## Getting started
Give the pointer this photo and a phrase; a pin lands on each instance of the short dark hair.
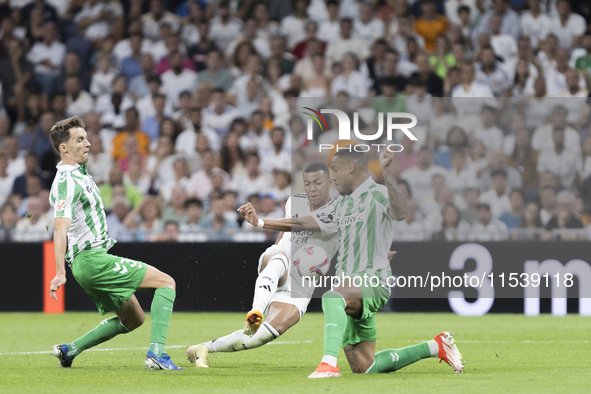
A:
(316, 166)
(193, 201)
(518, 191)
(359, 158)
(483, 205)
(60, 132)
(498, 171)
(463, 8)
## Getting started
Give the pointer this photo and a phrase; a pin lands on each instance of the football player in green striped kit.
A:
(81, 239)
(364, 217)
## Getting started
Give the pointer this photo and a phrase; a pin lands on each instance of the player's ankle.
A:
(330, 360)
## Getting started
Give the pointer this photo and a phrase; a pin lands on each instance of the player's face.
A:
(78, 146)
(342, 175)
(317, 186)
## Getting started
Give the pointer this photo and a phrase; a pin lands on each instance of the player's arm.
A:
(397, 207)
(60, 244)
(292, 224)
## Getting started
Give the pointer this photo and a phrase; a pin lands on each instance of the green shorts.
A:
(363, 328)
(109, 280)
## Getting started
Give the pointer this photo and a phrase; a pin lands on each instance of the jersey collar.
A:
(362, 188)
(65, 167)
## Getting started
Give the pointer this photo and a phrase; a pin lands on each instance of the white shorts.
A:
(283, 293)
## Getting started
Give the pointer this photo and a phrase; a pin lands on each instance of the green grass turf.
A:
(504, 353)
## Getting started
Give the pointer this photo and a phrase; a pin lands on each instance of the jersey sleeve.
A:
(382, 201)
(67, 196)
(326, 221)
(288, 208)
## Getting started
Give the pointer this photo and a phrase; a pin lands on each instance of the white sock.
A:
(433, 347)
(332, 360)
(237, 341)
(266, 284)
(265, 334)
(229, 343)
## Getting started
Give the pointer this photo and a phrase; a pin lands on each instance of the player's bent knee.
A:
(168, 281)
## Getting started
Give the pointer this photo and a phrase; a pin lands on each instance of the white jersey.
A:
(299, 206)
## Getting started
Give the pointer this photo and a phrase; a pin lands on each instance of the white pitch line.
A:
(143, 348)
(527, 342)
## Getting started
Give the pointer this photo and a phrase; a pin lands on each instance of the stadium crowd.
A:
(189, 109)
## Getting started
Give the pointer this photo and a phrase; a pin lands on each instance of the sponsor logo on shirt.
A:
(60, 205)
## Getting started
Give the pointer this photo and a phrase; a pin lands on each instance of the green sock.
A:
(335, 322)
(161, 313)
(390, 360)
(108, 329)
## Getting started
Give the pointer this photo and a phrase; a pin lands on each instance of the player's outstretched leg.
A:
(280, 317)
(265, 287)
(335, 324)
(107, 329)
(161, 312)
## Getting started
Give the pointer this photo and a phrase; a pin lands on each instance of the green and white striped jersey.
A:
(366, 232)
(74, 195)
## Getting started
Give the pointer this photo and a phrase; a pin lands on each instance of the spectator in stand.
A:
(461, 175)
(453, 228)
(194, 210)
(530, 221)
(132, 127)
(456, 141)
(548, 204)
(498, 161)
(78, 101)
(171, 232)
(99, 161)
(535, 23)
(102, 79)
(514, 217)
(565, 219)
(47, 56)
(200, 184)
(224, 27)
(510, 20)
(32, 170)
(177, 79)
(542, 138)
(524, 159)
(218, 228)
(430, 24)
(115, 219)
(35, 226)
(419, 177)
(6, 180)
(471, 197)
(145, 219)
(158, 16)
(131, 66)
(277, 158)
(16, 158)
(253, 182)
(569, 27)
(173, 44)
(107, 189)
(492, 72)
(8, 220)
(301, 49)
(198, 53)
(138, 85)
(414, 227)
(504, 45)
(216, 73)
(488, 228)
(561, 161)
(175, 210)
(219, 115)
(336, 50)
(135, 173)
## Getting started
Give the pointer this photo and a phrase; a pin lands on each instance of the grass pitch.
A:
(504, 353)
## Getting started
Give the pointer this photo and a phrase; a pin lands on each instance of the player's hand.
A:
(391, 254)
(386, 158)
(249, 213)
(56, 283)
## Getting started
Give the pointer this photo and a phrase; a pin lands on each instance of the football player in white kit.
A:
(276, 297)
